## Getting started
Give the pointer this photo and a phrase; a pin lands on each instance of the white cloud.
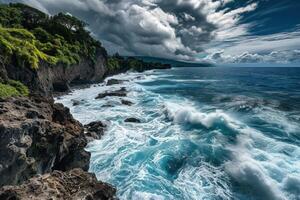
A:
(273, 48)
(287, 56)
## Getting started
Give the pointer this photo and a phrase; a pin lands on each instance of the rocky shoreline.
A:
(41, 137)
(42, 152)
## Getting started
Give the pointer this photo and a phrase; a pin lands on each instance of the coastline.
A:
(41, 144)
(42, 116)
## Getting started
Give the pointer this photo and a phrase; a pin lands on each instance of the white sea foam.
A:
(185, 113)
(249, 173)
(146, 196)
(267, 176)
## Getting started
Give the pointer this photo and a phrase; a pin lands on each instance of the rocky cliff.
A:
(50, 78)
(38, 137)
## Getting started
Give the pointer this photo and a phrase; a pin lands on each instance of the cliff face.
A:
(48, 79)
(37, 136)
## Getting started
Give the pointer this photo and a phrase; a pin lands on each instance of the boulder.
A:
(94, 130)
(71, 185)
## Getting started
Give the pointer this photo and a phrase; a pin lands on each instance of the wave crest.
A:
(184, 114)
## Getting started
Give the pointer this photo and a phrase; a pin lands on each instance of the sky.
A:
(217, 31)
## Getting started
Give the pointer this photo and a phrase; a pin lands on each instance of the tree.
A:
(70, 22)
(31, 17)
(10, 17)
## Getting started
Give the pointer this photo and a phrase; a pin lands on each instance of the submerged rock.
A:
(127, 103)
(132, 120)
(77, 102)
(117, 93)
(72, 185)
(107, 106)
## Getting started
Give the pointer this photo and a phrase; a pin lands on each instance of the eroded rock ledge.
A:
(74, 184)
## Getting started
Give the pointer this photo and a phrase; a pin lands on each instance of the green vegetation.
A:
(22, 44)
(116, 62)
(13, 88)
(113, 64)
(29, 36)
(20, 87)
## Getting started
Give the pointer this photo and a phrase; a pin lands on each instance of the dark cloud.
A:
(163, 28)
(194, 29)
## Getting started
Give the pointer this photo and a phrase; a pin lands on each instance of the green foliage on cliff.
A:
(10, 16)
(7, 91)
(113, 64)
(13, 88)
(20, 87)
(30, 36)
(22, 44)
(117, 62)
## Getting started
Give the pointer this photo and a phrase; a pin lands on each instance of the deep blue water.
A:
(206, 133)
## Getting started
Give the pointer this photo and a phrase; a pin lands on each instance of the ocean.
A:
(205, 133)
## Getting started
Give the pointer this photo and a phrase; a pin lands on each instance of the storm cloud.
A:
(164, 28)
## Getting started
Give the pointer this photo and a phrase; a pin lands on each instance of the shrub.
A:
(20, 87)
(42, 35)
(22, 43)
(10, 17)
(113, 64)
(7, 91)
(13, 88)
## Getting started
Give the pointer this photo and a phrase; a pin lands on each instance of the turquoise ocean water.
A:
(206, 133)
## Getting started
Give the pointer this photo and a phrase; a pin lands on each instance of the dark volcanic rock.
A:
(118, 93)
(114, 82)
(61, 86)
(132, 120)
(94, 130)
(37, 136)
(127, 103)
(76, 102)
(72, 185)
